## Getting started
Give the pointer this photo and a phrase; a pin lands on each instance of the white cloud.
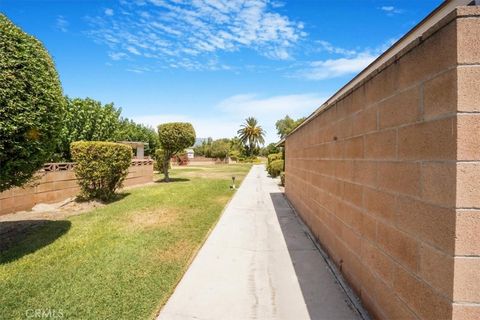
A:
(232, 111)
(138, 70)
(61, 23)
(391, 10)
(117, 55)
(245, 105)
(133, 50)
(347, 61)
(328, 47)
(333, 68)
(175, 30)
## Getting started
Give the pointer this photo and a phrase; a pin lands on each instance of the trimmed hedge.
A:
(273, 157)
(275, 168)
(270, 159)
(100, 167)
(31, 105)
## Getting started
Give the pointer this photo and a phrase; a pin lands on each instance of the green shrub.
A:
(31, 105)
(275, 167)
(274, 156)
(100, 167)
(282, 178)
(235, 155)
(220, 148)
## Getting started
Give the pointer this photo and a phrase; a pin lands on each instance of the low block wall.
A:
(57, 181)
(388, 177)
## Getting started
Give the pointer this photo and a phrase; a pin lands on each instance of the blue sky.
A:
(213, 62)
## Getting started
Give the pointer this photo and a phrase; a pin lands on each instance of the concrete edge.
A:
(352, 297)
(200, 246)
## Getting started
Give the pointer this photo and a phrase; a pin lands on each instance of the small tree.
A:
(174, 138)
(88, 120)
(205, 148)
(31, 105)
(220, 148)
(100, 167)
(287, 125)
(269, 149)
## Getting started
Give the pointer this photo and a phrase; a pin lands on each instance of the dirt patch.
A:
(150, 219)
(222, 199)
(54, 211)
(208, 175)
(180, 250)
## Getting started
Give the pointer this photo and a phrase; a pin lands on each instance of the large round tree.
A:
(31, 103)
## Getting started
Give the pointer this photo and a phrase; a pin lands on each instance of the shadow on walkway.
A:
(320, 290)
(19, 238)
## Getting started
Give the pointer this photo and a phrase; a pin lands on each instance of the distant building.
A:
(190, 153)
(138, 148)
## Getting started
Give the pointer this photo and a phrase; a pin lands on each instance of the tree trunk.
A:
(166, 162)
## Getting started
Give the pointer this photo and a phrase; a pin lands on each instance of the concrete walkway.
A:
(258, 263)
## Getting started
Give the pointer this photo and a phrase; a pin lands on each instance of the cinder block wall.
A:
(388, 178)
(55, 186)
(139, 174)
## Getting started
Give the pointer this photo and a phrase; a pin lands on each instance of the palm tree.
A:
(251, 135)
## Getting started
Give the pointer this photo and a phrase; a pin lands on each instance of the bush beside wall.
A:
(100, 167)
(273, 157)
(275, 168)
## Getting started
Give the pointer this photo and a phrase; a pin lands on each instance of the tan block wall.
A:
(139, 175)
(55, 186)
(388, 178)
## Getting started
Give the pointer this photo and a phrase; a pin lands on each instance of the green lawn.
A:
(121, 261)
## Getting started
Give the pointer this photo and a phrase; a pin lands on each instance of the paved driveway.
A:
(258, 263)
